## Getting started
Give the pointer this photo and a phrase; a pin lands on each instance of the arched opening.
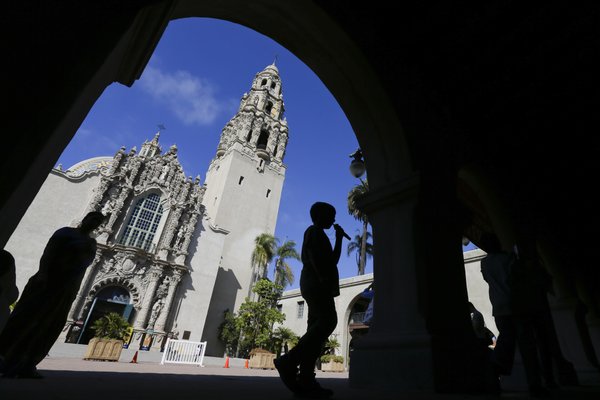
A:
(375, 123)
(263, 139)
(108, 300)
(132, 235)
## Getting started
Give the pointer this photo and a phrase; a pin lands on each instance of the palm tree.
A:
(283, 338)
(263, 253)
(110, 326)
(356, 246)
(353, 195)
(283, 272)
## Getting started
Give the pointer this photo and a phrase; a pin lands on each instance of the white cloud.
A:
(190, 98)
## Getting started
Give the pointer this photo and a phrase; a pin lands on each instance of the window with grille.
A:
(300, 313)
(143, 222)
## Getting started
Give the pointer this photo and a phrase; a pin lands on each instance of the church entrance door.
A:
(110, 299)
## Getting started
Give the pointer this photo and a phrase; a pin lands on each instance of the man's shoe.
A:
(310, 389)
(539, 392)
(288, 374)
(29, 374)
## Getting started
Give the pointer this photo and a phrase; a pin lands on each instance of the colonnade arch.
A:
(402, 201)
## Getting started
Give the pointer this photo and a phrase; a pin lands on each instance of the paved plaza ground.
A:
(71, 378)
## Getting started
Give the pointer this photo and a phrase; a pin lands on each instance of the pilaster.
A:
(159, 325)
(154, 275)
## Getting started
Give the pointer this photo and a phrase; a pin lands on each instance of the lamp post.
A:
(357, 165)
(357, 169)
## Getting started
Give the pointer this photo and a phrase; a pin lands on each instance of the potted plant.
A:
(332, 363)
(107, 343)
(329, 361)
(261, 359)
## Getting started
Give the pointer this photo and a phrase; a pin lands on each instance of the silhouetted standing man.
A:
(319, 284)
(41, 312)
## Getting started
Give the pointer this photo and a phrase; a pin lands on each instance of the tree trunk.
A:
(363, 249)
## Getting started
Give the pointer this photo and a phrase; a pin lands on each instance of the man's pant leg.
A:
(322, 320)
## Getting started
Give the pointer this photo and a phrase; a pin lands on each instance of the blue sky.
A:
(193, 84)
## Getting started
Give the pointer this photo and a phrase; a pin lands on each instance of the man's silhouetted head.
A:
(322, 214)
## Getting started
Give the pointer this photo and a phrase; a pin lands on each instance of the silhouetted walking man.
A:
(319, 284)
(512, 311)
(41, 311)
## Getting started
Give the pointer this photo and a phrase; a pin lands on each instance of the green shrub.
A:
(110, 326)
(331, 357)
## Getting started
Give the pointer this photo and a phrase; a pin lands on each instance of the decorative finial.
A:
(275, 60)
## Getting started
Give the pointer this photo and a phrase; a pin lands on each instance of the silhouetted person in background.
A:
(319, 284)
(512, 314)
(369, 294)
(495, 269)
(8, 287)
(41, 312)
(482, 332)
(531, 285)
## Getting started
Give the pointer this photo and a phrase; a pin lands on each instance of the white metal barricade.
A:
(183, 352)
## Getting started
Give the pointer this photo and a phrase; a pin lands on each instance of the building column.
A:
(570, 314)
(140, 321)
(170, 230)
(162, 318)
(397, 350)
(182, 252)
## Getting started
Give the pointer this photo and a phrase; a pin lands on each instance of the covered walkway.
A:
(75, 379)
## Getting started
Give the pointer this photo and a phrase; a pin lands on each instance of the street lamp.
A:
(357, 165)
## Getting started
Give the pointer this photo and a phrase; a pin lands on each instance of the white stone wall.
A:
(196, 289)
(350, 290)
(245, 211)
(60, 202)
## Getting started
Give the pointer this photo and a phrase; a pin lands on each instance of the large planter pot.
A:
(332, 366)
(104, 349)
(261, 360)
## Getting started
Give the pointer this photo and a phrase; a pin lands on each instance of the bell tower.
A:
(243, 186)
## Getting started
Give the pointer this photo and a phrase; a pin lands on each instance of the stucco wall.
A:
(350, 290)
(244, 220)
(60, 202)
(195, 291)
(477, 287)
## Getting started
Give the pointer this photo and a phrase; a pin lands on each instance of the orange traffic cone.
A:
(246, 364)
(134, 359)
(226, 363)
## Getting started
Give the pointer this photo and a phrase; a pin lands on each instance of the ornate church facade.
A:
(173, 254)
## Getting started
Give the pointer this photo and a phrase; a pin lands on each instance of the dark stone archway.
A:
(429, 89)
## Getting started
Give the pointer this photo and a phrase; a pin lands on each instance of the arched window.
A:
(263, 83)
(272, 85)
(263, 139)
(269, 107)
(143, 222)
